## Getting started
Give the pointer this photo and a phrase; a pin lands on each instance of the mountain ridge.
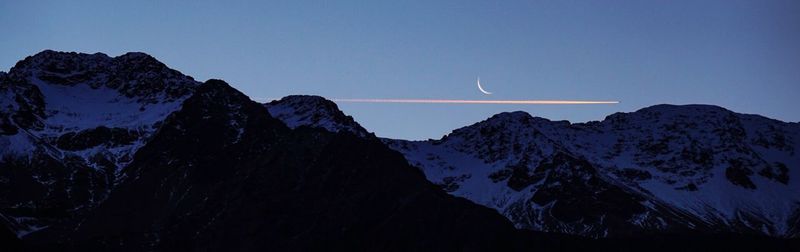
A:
(507, 151)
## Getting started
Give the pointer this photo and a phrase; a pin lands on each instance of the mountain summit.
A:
(313, 111)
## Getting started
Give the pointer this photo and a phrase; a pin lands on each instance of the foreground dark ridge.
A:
(218, 172)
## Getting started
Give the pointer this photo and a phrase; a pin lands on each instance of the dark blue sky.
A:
(742, 55)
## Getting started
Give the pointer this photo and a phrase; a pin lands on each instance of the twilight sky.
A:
(742, 55)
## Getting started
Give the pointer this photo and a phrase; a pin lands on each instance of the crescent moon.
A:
(481, 88)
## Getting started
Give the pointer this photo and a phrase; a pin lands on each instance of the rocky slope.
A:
(663, 169)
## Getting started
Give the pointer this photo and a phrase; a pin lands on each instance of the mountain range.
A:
(124, 153)
(665, 168)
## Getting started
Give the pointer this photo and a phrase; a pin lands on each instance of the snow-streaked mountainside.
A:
(70, 122)
(662, 169)
(696, 167)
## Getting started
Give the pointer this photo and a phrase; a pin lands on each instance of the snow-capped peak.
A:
(84, 115)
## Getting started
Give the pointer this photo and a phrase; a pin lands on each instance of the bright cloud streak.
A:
(530, 102)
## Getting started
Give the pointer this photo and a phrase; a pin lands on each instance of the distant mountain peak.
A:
(53, 57)
(313, 111)
(135, 75)
(60, 62)
(137, 55)
(512, 115)
(671, 111)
